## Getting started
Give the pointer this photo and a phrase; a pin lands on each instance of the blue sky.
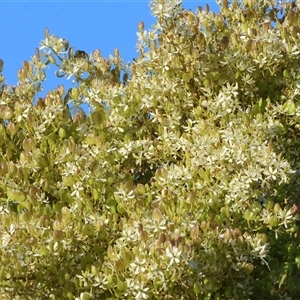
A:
(87, 25)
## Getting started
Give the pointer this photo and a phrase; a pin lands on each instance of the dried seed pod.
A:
(26, 66)
(161, 239)
(96, 54)
(224, 10)
(225, 42)
(28, 144)
(267, 26)
(40, 103)
(79, 117)
(203, 225)
(284, 32)
(70, 52)
(291, 17)
(253, 31)
(58, 235)
(219, 22)
(116, 56)
(234, 4)
(164, 192)
(31, 241)
(66, 44)
(141, 227)
(37, 53)
(11, 128)
(81, 54)
(60, 89)
(125, 78)
(46, 32)
(186, 248)
(144, 235)
(33, 192)
(248, 268)
(157, 215)
(141, 26)
(248, 45)
(237, 232)
(1, 65)
(228, 234)
(6, 112)
(295, 31)
(294, 209)
(195, 232)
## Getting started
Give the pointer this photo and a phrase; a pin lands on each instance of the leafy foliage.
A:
(182, 181)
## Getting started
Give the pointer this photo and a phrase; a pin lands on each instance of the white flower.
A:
(174, 255)
(142, 294)
(138, 266)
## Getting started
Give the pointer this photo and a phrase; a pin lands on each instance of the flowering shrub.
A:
(181, 182)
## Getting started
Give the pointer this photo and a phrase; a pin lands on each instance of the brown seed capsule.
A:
(294, 209)
(253, 31)
(125, 78)
(116, 52)
(267, 26)
(228, 234)
(66, 44)
(141, 227)
(225, 42)
(144, 235)
(141, 26)
(219, 22)
(248, 45)
(6, 112)
(203, 225)
(164, 192)
(26, 66)
(31, 241)
(1, 65)
(33, 192)
(291, 17)
(195, 232)
(57, 225)
(11, 128)
(79, 117)
(236, 233)
(46, 32)
(225, 3)
(161, 239)
(234, 4)
(157, 215)
(60, 89)
(28, 144)
(295, 31)
(48, 100)
(186, 248)
(40, 103)
(81, 54)
(96, 54)
(58, 235)
(37, 53)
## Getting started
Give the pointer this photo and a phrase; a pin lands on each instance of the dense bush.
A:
(182, 180)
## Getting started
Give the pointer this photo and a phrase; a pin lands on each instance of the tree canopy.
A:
(181, 181)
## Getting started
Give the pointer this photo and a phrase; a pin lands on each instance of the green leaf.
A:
(282, 279)
(289, 107)
(15, 195)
